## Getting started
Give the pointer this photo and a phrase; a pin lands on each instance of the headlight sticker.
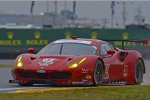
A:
(77, 63)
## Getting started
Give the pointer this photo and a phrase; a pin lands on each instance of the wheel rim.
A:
(139, 73)
(98, 74)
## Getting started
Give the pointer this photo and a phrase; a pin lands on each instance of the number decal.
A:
(106, 73)
(46, 61)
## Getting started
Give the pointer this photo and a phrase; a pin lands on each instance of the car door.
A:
(113, 66)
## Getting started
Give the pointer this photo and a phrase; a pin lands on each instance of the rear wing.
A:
(145, 41)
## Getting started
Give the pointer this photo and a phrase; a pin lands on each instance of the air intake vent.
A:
(60, 75)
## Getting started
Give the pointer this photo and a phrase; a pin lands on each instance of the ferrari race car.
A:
(78, 61)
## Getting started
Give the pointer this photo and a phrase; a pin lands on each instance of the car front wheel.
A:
(98, 73)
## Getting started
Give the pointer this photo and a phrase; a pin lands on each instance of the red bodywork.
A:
(118, 65)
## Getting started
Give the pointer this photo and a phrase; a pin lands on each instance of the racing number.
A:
(106, 73)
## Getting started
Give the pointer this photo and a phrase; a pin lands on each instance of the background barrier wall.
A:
(16, 41)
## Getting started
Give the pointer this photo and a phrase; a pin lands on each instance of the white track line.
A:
(23, 88)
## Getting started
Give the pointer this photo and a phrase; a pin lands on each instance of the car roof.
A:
(80, 40)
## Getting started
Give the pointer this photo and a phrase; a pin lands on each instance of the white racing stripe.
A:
(73, 41)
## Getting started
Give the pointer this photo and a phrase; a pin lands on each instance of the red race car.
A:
(79, 61)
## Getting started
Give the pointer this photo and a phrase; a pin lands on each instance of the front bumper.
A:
(57, 77)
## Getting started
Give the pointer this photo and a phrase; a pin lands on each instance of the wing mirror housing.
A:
(31, 50)
(145, 42)
(110, 52)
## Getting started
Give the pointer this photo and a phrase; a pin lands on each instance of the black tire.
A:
(138, 72)
(98, 73)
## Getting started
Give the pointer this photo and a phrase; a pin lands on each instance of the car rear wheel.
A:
(138, 72)
(98, 73)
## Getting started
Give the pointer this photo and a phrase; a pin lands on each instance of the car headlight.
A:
(19, 62)
(77, 63)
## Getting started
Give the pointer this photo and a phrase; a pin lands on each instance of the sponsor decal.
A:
(46, 61)
(88, 77)
(84, 80)
(85, 70)
(107, 65)
(37, 35)
(77, 83)
(67, 34)
(94, 35)
(125, 71)
(37, 40)
(106, 73)
(41, 71)
(125, 35)
(10, 35)
(11, 42)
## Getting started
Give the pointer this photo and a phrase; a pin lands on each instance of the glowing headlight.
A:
(19, 62)
(76, 64)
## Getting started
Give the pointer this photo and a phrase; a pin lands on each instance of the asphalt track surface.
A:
(5, 76)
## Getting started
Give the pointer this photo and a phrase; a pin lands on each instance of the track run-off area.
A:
(5, 76)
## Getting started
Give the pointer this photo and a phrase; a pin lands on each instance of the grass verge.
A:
(132, 92)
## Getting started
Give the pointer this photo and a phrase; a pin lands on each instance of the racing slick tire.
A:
(138, 72)
(98, 73)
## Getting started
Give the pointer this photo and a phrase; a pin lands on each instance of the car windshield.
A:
(68, 49)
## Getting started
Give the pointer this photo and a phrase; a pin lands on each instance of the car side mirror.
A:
(31, 50)
(110, 52)
(145, 42)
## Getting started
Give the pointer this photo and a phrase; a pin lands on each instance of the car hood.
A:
(49, 61)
